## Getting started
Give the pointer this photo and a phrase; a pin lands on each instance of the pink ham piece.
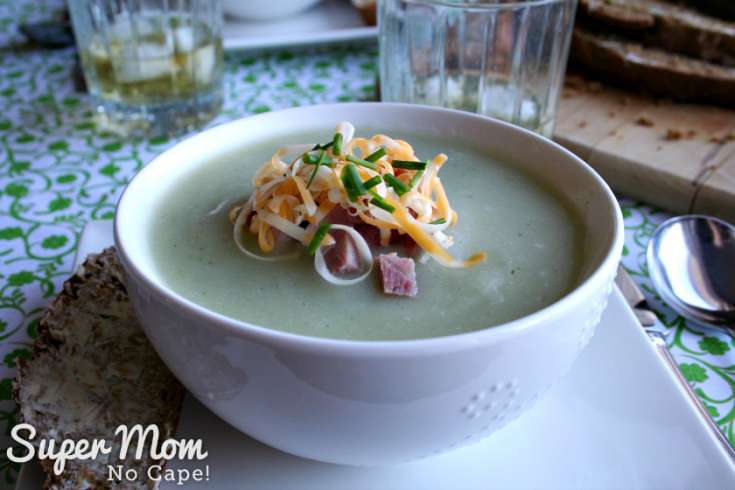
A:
(411, 248)
(398, 275)
(340, 216)
(370, 233)
(342, 258)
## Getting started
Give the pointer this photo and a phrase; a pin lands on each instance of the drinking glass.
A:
(504, 59)
(152, 67)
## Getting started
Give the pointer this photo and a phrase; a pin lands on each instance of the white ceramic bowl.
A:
(265, 9)
(371, 403)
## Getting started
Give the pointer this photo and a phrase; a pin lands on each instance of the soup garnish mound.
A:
(344, 200)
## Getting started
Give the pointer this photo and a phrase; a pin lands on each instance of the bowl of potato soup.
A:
(368, 283)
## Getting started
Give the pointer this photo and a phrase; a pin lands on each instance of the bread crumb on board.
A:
(721, 140)
(644, 121)
(673, 135)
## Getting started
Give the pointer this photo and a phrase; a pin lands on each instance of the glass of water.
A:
(500, 58)
(153, 67)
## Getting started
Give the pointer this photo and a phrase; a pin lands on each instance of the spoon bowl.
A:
(691, 261)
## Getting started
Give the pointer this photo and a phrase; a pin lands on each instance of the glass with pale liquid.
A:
(500, 58)
(153, 67)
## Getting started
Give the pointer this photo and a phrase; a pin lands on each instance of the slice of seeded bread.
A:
(679, 77)
(92, 370)
(723, 9)
(662, 25)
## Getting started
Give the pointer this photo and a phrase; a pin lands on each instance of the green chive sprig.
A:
(415, 179)
(354, 176)
(406, 165)
(396, 184)
(352, 182)
(337, 144)
(361, 162)
(376, 155)
(318, 237)
(380, 202)
(370, 183)
(320, 160)
(311, 159)
(439, 221)
(325, 146)
(347, 184)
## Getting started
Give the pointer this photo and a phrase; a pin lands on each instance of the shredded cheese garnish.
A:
(294, 197)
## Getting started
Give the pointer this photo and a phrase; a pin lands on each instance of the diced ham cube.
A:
(404, 240)
(398, 275)
(342, 258)
(411, 247)
(340, 216)
(370, 233)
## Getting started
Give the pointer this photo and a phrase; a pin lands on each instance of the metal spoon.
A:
(691, 261)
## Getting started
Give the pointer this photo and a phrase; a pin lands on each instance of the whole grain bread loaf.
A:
(653, 70)
(619, 14)
(93, 369)
(723, 9)
(663, 25)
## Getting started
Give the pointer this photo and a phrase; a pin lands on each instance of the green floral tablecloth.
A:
(57, 172)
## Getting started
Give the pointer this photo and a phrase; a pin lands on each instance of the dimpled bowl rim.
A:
(375, 348)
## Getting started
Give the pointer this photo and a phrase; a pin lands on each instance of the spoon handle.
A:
(637, 302)
(659, 343)
(635, 298)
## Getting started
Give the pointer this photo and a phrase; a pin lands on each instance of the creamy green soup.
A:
(532, 240)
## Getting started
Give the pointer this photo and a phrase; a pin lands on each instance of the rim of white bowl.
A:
(372, 348)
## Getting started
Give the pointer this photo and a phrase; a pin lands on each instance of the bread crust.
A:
(658, 24)
(653, 70)
(91, 370)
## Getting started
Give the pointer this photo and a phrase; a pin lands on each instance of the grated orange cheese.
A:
(281, 189)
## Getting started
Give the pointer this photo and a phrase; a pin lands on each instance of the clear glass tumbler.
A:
(152, 67)
(504, 59)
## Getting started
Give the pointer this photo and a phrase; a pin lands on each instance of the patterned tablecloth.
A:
(57, 172)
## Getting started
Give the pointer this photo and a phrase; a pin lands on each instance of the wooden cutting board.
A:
(680, 157)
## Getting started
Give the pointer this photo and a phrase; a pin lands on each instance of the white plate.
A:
(330, 21)
(618, 420)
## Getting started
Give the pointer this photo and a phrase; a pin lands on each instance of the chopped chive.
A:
(310, 159)
(396, 184)
(376, 155)
(352, 182)
(406, 165)
(439, 221)
(321, 232)
(337, 144)
(354, 176)
(318, 163)
(347, 183)
(360, 161)
(380, 202)
(370, 183)
(415, 179)
(325, 146)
